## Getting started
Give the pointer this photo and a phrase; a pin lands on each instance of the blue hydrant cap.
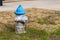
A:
(20, 11)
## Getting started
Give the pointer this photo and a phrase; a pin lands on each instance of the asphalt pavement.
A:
(52, 5)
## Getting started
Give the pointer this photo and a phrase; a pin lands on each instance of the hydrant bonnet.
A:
(20, 11)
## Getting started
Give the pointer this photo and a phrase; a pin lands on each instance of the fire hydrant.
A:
(20, 20)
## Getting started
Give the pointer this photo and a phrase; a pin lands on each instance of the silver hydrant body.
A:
(20, 23)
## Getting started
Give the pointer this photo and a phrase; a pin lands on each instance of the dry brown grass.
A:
(11, 0)
(51, 17)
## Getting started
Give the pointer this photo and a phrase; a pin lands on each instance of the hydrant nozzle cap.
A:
(20, 11)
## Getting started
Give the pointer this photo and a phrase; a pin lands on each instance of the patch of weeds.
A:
(6, 35)
(3, 36)
(26, 38)
(42, 21)
(34, 33)
(31, 34)
(43, 38)
(57, 31)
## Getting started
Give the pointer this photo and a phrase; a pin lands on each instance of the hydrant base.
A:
(20, 28)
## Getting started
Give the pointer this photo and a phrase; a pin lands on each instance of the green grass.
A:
(31, 34)
(57, 32)
(42, 21)
(43, 38)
